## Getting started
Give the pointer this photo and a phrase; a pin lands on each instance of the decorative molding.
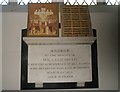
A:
(57, 40)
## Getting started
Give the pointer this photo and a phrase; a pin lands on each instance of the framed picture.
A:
(75, 21)
(43, 20)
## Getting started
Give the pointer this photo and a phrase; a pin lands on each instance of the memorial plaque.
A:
(49, 61)
(43, 19)
(75, 21)
(59, 64)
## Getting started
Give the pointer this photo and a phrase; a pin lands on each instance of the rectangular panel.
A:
(59, 63)
(43, 19)
(75, 18)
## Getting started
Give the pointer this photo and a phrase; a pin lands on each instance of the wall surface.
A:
(119, 48)
(106, 23)
(0, 47)
(104, 20)
(12, 25)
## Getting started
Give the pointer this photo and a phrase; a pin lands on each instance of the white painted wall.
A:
(12, 25)
(0, 47)
(106, 25)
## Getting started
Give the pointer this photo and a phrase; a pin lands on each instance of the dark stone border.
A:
(24, 62)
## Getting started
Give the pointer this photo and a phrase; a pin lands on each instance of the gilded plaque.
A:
(75, 21)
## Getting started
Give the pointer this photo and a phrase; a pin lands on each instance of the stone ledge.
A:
(58, 40)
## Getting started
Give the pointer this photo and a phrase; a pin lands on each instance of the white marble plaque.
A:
(59, 63)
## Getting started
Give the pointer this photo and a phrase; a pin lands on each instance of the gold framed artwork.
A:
(75, 21)
(43, 20)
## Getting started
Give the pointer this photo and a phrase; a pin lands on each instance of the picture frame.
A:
(43, 20)
(75, 21)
